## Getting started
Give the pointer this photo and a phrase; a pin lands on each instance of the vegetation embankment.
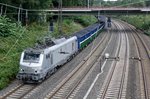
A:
(139, 21)
(14, 38)
(73, 24)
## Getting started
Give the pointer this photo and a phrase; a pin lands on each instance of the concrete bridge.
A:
(98, 10)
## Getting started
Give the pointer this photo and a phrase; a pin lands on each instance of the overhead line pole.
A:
(88, 4)
(1, 10)
(19, 11)
(60, 17)
(26, 17)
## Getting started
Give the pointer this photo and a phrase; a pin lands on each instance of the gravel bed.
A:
(41, 91)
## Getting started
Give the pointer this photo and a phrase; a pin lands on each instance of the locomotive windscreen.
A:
(31, 57)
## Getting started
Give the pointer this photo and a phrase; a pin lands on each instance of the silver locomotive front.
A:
(30, 66)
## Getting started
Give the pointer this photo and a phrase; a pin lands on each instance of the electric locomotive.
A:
(36, 64)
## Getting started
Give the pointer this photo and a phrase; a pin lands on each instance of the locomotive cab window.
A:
(31, 57)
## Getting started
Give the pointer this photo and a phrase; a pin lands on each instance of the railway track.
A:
(143, 56)
(143, 60)
(114, 85)
(73, 80)
(18, 92)
(116, 88)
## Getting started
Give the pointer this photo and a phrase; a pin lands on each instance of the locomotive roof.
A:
(47, 42)
(71, 39)
(47, 49)
(85, 30)
(32, 50)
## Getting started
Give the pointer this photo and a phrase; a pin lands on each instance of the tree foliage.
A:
(7, 27)
(29, 4)
(34, 4)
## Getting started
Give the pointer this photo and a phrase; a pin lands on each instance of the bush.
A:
(141, 22)
(7, 27)
(3, 82)
(147, 32)
(68, 28)
(85, 20)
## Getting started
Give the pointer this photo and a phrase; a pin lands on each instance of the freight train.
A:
(36, 64)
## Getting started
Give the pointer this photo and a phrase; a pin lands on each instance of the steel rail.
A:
(124, 68)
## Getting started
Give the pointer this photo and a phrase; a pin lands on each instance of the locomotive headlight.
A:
(21, 70)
